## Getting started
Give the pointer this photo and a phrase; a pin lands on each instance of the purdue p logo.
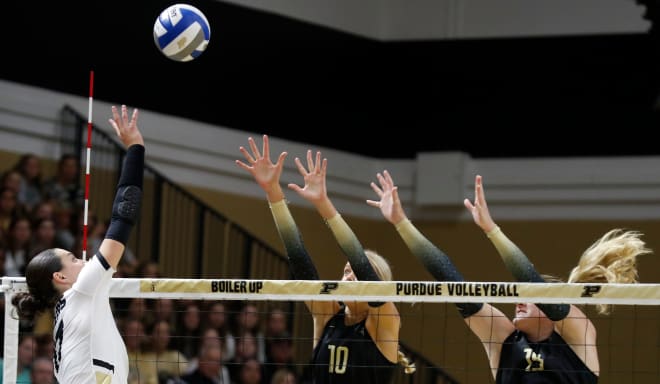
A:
(590, 290)
(329, 286)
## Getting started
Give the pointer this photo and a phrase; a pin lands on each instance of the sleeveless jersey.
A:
(88, 346)
(347, 354)
(549, 361)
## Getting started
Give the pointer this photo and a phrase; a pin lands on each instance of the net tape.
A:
(394, 291)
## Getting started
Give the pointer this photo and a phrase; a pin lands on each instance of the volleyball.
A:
(182, 32)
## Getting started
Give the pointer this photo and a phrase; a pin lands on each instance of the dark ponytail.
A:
(42, 294)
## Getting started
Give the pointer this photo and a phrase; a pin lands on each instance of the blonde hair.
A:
(611, 259)
(380, 265)
(382, 268)
(402, 359)
(282, 376)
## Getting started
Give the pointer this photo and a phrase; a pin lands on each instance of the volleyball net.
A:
(433, 335)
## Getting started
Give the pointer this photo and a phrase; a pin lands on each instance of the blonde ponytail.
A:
(611, 259)
(402, 359)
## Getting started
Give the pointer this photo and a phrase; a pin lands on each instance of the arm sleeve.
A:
(523, 270)
(300, 264)
(434, 260)
(132, 171)
(126, 207)
(350, 245)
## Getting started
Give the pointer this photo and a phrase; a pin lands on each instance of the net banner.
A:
(395, 291)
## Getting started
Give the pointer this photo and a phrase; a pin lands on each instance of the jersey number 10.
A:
(338, 359)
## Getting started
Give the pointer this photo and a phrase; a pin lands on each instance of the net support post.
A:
(10, 360)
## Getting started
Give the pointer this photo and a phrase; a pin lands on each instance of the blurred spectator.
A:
(210, 364)
(42, 371)
(165, 310)
(133, 308)
(43, 236)
(189, 329)
(30, 192)
(64, 222)
(279, 355)
(170, 363)
(148, 269)
(210, 338)
(27, 349)
(17, 253)
(216, 318)
(249, 320)
(276, 323)
(45, 345)
(95, 234)
(44, 209)
(132, 331)
(283, 376)
(64, 188)
(11, 179)
(9, 209)
(137, 309)
(246, 349)
(249, 373)
(127, 265)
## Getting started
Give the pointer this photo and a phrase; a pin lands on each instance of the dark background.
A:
(554, 96)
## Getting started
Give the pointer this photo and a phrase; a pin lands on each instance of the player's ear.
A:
(59, 278)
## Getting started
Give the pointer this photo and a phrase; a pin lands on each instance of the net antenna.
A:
(88, 151)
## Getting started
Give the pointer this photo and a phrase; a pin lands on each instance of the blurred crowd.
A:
(168, 341)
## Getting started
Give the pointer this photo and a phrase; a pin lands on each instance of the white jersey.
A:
(88, 346)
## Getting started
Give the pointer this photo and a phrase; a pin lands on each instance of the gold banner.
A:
(404, 291)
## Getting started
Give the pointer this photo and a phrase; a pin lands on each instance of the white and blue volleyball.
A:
(182, 32)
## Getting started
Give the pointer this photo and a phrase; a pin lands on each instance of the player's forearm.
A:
(325, 208)
(514, 259)
(127, 203)
(350, 245)
(274, 193)
(523, 270)
(435, 261)
(126, 206)
(300, 263)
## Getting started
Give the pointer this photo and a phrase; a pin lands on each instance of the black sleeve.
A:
(435, 261)
(523, 271)
(300, 263)
(352, 248)
(128, 198)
